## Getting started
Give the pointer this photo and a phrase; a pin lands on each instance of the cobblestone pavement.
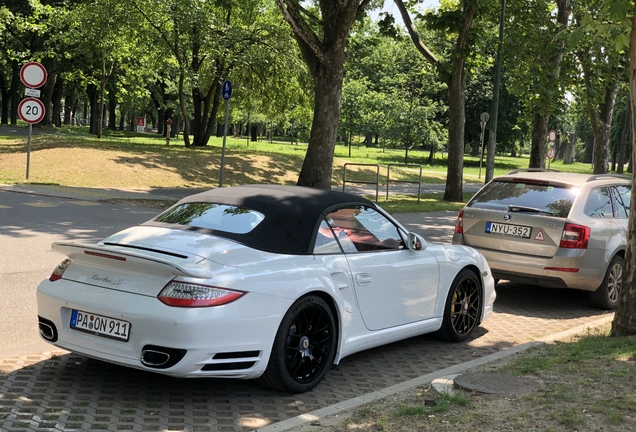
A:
(61, 391)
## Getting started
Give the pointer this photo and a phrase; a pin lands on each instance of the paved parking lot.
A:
(61, 391)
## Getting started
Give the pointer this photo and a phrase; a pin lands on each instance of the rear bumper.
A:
(590, 265)
(232, 341)
(542, 281)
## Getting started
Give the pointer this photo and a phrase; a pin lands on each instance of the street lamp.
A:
(492, 138)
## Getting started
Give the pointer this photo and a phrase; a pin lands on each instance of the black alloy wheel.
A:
(304, 347)
(462, 312)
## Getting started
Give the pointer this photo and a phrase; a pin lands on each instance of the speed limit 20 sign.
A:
(31, 110)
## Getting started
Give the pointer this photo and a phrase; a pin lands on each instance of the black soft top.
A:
(292, 214)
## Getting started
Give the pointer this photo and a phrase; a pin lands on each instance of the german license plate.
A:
(508, 230)
(100, 325)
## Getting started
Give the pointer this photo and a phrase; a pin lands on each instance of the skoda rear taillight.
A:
(575, 236)
(184, 294)
(59, 270)
(459, 224)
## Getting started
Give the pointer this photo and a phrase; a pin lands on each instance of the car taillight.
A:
(183, 294)
(575, 236)
(459, 224)
(59, 270)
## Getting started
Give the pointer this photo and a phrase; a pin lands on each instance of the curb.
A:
(338, 408)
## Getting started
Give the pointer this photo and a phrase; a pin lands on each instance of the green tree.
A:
(456, 19)
(208, 41)
(534, 60)
(603, 64)
(321, 30)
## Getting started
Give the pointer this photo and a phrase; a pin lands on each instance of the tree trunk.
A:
(569, 149)
(69, 102)
(112, 108)
(540, 121)
(4, 96)
(456, 122)
(475, 150)
(539, 134)
(559, 147)
(184, 111)
(627, 127)
(13, 91)
(589, 149)
(56, 102)
(102, 91)
(322, 45)
(601, 120)
(93, 96)
(47, 90)
(456, 112)
(317, 166)
(624, 323)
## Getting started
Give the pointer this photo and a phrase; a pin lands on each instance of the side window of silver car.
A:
(599, 203)
(622, 198)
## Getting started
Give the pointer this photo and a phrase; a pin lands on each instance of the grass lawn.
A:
(71, 157)
(586, 383)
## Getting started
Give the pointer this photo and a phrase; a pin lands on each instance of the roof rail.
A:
(600, 176)
(532, 170)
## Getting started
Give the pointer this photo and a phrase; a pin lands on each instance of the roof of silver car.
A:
(572, 179)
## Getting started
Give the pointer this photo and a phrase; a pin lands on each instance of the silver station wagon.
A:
(552, 229)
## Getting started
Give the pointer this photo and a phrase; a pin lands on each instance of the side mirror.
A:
(416, 242)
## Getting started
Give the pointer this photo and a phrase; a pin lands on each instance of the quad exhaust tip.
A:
(153, 358)
(47, 329)
(158, 357)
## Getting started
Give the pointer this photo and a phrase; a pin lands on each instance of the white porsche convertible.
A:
(276, 283)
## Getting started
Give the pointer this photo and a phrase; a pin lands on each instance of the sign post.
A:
(31, 110)
(141, 124)
(226, 91)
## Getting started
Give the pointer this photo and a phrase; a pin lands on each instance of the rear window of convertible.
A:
(526, 197)
(218, 217)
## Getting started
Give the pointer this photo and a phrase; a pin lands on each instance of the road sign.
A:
(141, 124)
(552, 136)
(31, 110)
(227, 90)
(551, 153)
(33, 75)
(31, 92)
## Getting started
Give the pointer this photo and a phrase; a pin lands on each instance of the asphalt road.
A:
(28, 226)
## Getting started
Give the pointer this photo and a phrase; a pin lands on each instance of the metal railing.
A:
(346, 180)
(376, 182)
(388, 179)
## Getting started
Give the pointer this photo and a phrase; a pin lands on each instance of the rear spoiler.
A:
(80, 251)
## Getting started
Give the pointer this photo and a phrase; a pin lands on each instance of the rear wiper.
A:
(516, 208)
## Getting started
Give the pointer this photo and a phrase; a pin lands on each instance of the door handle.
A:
(363, 279)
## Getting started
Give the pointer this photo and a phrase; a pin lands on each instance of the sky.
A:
(389, 6)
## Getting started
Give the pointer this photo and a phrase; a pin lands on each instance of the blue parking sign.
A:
(227, 90)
